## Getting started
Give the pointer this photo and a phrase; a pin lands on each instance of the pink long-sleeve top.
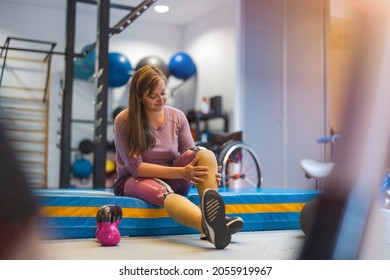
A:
(172, 138)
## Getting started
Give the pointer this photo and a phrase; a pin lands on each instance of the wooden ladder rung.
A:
(28, 152)
(24, 88)
(28, 141)
(24, 130)
(22, 99)
(25, 59)
(22, 119)
(35, 110)
(33, 173)
(22, 161)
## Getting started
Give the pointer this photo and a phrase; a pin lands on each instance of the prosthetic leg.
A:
(176, 204)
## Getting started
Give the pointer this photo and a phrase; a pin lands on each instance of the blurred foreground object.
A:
(346, 222)
(19, 210)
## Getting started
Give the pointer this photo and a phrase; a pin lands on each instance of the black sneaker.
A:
(214, 224)
(234, 224)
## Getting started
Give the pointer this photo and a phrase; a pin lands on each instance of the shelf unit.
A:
(197, 117)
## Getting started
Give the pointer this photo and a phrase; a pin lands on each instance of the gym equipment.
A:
(262, 208)
(119, 69)
(89, 59)
(216, 105)
(81, 167)
(315, 169)
(86, 146)
(85, 67)
(108, 219)
(306, 217)
(320, 170)
(110, 167)
(81, 71)
(182, 66)
(154, 61)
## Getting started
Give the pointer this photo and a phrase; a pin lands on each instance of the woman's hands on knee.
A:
(193, 173)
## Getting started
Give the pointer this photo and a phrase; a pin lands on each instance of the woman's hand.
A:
(193, 173)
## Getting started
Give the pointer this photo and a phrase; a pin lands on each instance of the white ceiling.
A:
(181, 12)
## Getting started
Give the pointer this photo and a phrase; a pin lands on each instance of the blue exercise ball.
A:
(81, 71)
(89, 59)
(119, 69)
(182, 66)
(154, 61)
(81, 168)
(84, 67)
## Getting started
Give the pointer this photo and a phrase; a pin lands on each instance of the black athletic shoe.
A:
(214, 224)
(234, 224)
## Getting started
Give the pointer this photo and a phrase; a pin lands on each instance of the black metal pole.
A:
(5, 59)
(100, 131)
(112, 5)
(66, 118)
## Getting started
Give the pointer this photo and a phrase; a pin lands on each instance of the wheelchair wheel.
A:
(240, 166)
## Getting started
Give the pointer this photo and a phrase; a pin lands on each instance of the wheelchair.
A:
(240, 164)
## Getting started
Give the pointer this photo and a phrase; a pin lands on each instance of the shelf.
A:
(197, 117)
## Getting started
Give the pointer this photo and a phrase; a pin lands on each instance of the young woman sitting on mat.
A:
(157, 160)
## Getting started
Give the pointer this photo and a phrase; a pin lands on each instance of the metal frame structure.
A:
(104, 32)
(49, 53)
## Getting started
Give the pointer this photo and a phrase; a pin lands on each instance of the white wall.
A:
(284, 86)
(212, 41)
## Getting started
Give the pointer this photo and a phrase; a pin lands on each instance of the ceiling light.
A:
(161, 9)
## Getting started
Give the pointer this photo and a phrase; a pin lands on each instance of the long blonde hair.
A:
(139, 134)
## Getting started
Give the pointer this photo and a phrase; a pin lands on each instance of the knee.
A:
(206, 156)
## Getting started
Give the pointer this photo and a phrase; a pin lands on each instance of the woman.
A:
(149, 137)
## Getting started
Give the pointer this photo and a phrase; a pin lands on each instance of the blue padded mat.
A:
(71, 213)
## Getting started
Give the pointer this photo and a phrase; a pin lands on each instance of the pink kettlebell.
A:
(107, 220)
(109, 234)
